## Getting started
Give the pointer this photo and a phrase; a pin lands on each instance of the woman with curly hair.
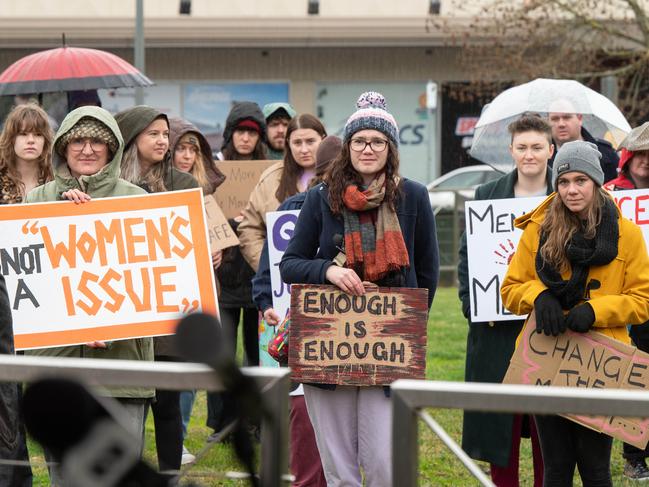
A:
(389, 238)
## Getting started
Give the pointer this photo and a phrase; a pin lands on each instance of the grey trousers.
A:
(353, 430)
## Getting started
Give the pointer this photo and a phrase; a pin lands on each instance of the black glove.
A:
(549, 314)
(581, 318)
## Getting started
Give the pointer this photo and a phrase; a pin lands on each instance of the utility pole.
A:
(138, 47)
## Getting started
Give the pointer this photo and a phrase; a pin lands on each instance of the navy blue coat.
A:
(311, 250)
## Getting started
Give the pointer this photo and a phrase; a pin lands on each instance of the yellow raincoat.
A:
(623, 297)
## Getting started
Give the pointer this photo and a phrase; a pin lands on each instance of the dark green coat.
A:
(488, 436)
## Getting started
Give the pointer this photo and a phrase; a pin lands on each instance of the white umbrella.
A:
(491, 139)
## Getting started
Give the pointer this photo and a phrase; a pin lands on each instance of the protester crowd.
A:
(353, 201)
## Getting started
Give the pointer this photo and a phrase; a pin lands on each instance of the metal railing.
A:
(274, 384)
(410, 396)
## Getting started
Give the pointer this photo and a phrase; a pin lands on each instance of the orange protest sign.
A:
(584, 360)
(109, 269)
(241, 177)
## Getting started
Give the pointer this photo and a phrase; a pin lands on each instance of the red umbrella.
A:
(69, 69)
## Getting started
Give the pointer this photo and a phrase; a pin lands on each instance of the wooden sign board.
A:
(220, 232)
(241, 177)
(374, 339)
(584, 360)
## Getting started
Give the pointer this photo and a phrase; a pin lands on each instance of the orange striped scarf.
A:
(374, 243)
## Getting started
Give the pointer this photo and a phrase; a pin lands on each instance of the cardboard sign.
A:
(221, 234)
(109, 269)
(584, 360)
(374, 339)
(280, 225)
(492, 240)
(241, 177)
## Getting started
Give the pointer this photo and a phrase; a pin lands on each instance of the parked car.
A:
(462, 181)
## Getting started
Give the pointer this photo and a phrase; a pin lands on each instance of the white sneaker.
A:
(187, 457)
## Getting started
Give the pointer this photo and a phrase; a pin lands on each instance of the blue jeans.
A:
(186, 404)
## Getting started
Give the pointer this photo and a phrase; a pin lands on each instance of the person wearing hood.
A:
(244, 139)
(191, 153)
(147, 163)
(87, 153)
(579, 266)
(634, 174)
(277, 115)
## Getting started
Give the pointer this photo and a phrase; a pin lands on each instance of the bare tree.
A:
(514, 41)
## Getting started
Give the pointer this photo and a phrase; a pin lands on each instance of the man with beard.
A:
(277, 115)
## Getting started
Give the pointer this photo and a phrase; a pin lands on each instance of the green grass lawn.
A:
(437, 466)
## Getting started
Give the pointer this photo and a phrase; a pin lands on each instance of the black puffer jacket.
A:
(235, 277)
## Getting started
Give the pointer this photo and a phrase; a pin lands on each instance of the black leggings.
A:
(221, 409)
(565, 444)
(168, 425)
(230, 321)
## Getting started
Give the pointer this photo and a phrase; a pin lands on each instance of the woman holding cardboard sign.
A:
(388, 230)
(579, 266)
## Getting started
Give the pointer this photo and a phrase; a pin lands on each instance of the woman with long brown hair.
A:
(388, 230)
(25, 153)
(280, 181)
(579, 265)
(25, 162)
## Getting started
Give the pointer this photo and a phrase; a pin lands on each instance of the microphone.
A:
(86, 435)
(340, 258)
(200, 338)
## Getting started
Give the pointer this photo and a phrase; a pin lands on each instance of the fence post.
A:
(274, 434)
(405, 444)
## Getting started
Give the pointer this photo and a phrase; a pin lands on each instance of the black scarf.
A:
(581, 253)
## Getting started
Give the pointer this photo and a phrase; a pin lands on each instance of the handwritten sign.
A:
(241, 177)
(109, 269)
(281, 225)
(220, 232)
(492, 240)
(584, 360)
(373, 339)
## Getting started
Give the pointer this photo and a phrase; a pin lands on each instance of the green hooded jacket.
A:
(104, 183)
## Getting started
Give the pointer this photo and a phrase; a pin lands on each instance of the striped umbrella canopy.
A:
(69, 69)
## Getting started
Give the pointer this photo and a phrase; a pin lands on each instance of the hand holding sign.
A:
(345, 279)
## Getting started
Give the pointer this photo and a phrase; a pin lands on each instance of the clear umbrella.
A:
(491, 139)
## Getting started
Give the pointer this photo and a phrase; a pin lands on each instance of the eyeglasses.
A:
(77, 145)
(377, 145)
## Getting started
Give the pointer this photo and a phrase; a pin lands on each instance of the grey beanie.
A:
(578, 156)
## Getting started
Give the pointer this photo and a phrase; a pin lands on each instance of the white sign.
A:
(280, 225)
(492, 240)
(109, 269)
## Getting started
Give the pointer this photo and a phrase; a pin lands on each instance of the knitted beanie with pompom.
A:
(372, 113)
